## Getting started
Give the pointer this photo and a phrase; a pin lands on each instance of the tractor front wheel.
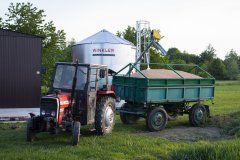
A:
(105, 115)
(30, 133)
(156, 119)
(75, 132)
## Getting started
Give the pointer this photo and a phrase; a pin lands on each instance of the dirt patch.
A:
(185, 133)
(213, 131)
(221, 120)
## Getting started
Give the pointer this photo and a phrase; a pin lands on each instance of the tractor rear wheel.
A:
(105, 115)
(197, 115)
(30, 133)
(76, 132)
(156, 119)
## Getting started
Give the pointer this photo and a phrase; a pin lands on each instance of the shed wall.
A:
(20, 66)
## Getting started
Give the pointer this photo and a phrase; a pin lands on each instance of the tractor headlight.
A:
(53, 113)
(43, 112)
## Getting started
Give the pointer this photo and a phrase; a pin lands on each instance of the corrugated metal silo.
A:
(105, 48)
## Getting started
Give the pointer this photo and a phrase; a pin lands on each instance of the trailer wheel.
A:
(75, 132)
(197, 115)
(30, 133)
(105, 115)
(128, 118)
(207, 110)
(156, 119)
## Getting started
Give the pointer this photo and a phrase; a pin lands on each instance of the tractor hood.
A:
(63, 97)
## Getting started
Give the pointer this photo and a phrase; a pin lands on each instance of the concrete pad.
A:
(17, 113)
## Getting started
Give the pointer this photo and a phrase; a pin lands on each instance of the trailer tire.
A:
(156, 119)
(208, 111)
(76, 132)
(197, 115)
(105, 115)
(128, 118)
(30, 133)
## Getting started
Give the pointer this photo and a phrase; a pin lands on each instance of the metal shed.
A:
(20, 66)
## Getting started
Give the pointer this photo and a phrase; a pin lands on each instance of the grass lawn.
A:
(126, 143)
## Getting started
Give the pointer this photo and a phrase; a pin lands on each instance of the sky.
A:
(189, 25)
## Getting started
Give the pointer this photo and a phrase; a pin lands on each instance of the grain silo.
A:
(105, 48)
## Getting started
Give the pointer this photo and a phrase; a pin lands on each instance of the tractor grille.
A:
(49, 106)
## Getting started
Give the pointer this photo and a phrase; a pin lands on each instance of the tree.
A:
(68, 51)
(119, 34)
(232, 55)
(231, 63)
(130, 34)
(1, 23)
(217, 68)
(205, 65)
(155, 57)
(25, 18)
(173, 53)
(190, 58)
(176, 56)
(208, 54)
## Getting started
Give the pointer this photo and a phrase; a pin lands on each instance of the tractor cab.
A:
(80, 95)
(77, 85)
(88, 76)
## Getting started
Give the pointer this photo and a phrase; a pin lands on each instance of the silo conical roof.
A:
(104, 36)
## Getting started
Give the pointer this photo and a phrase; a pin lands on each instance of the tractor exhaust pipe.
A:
(73, 87)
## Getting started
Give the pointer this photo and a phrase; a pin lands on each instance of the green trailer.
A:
(162, 99)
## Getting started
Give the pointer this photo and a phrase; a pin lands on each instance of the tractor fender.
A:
(106, 93)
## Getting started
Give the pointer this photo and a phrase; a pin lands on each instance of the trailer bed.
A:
(142, 89)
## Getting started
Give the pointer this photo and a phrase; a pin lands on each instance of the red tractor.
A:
(76, 98)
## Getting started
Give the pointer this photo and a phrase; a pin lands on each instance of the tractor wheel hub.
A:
(109, 117)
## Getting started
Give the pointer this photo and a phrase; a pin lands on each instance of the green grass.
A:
(126, 143)
(224, 82)
(227, 98)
